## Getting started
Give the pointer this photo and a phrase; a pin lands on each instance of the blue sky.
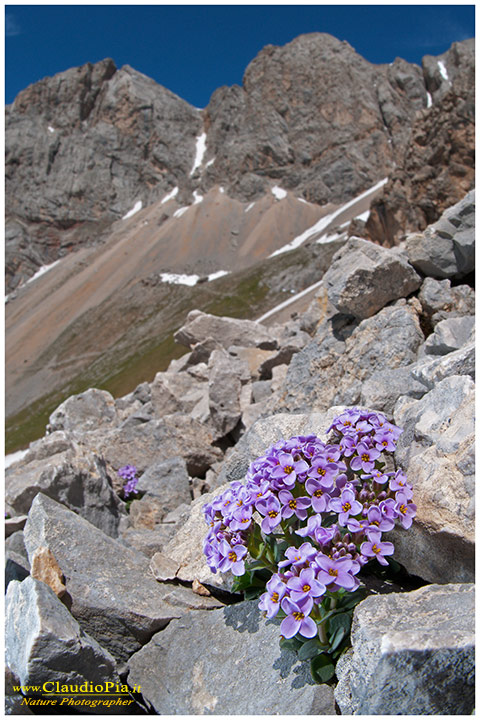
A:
(194, 49)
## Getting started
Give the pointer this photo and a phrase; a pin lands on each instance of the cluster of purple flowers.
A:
(129, 473)
(339, 497)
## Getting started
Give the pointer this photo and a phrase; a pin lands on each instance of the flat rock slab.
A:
(413, 654)
(226, 662)
(227, 331)
(113, 594)
(45, 643)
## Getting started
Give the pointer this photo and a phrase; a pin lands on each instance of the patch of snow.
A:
(330, 237)
(51, 129)
(302, 200)
(197, 198)
(138, 206)
(443, 70)
(279, 192)
(364, 216)
(178, 279)
(324, 222)
(249, 207)
(288, 302)
(210, 162)
(218, 274)
(199, 151)
(170, 195)
(42, 271)
(429, 100)
(221, 189)
(14, 457)
(178, 213)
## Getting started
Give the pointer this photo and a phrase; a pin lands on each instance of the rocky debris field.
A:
(108, 590)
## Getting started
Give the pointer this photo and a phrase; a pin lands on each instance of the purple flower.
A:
(128, 472)
(365, 459)
(324, 472)
(377, 549)
(292, 505)
(344, 423)
(305, 585)
(399, 482)
(405, 511)
(320, 498)
(288, 469)
(345, 505)
(232, 558)
(298, 556)
(130, 488)
(270, 600)
(377, 521)
(241, 518)
(335, 573)
(297, 620)
(384, 441)
(271, 509)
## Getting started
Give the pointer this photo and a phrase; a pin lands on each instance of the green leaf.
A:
(350, 600)
(290, 643)
(337, 638)
(341, 620)
(309, 649)
(322, 668)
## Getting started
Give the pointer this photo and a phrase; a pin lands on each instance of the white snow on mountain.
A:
(178, 213)
(179, 279)
(135, 209)
(14, 457)
(170, 195)
(197, 198)
(51, 129)
(443, 70)
(324, 222)
(429, 100)
(249, 207)
(279, 192)
(218, 274)
(199, 151)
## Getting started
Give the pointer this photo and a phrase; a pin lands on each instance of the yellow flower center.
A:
(333, 572)
(306, 588)
(272, 513)
(346, 507)
(275, 597)
(292, 504)
(298, 615)
(232, 556)
(288, 469)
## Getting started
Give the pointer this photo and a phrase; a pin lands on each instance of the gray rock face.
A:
(436, 450)
(113, 596)
(447, 248)
(364, 277)
(227, 331)
(182, 672)
(44, 643)
(383, 388)
(333, 366)
(441, 301)
(449, 335)
(76, 478)
(413, 654)
(124, 137)
(434, 369)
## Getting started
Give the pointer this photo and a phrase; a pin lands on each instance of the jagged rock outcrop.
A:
(88, 145)
(438, 166)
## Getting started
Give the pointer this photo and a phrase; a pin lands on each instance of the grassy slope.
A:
(137, 325)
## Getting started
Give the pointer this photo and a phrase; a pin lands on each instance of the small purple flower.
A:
(270, 600)
(298, 620)
(335, 573)
(130, 488)
(128, 472)
(232, 558)
(324, 472)
(365, 460)
(399, 482)
(241, 518)
(320, 498)
(305, 585)
(345, 505)
(293, 505)
(405, 511)
(384, 441)
(288, 469)
(298, 556)
(378, 521)
(377, 549)
(271, 509)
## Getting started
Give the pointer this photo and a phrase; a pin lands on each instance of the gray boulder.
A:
(168, 483)
(440, 301)
(77, 478)
(413, 654)
(449, 335)
(447, 248)
(242, 672)
(51, 646)
(364, 277)
(227, 331)
(436, 450)
(113, 595)
(431, 370)
(88, 411)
